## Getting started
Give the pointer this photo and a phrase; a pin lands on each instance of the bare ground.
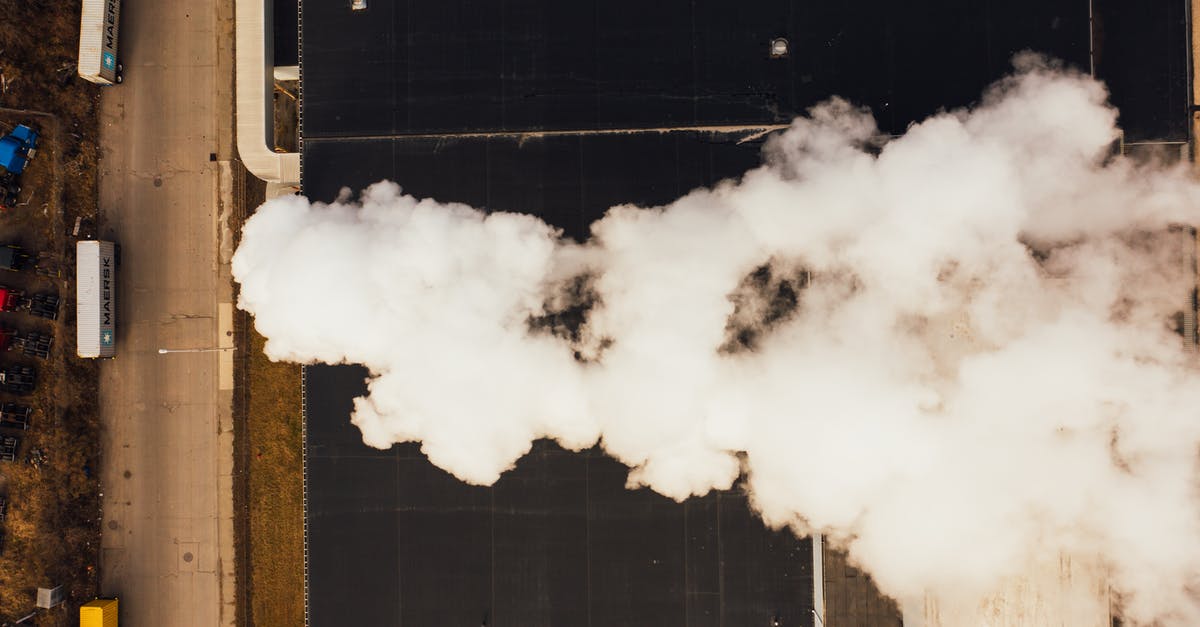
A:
(52, 527)
(268, 489)
(276, 496)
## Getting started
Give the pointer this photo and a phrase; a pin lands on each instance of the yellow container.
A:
(98, 613)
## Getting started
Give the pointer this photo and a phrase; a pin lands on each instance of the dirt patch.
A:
(276, 491)
(52, 534)
(286, 103)
(268, 474)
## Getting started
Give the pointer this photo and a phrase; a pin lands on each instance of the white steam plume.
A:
(953, 351)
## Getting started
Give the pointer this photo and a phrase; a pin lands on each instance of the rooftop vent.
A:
(779, 48)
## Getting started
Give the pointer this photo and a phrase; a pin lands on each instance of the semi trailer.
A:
(30, 343)
(96, 298)
(42, 305)
(12, 257)
(99, 613)
(16, 379)
(98, 29)
(15, 416)
(9, 445)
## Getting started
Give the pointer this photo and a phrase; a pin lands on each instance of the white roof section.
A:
(254, 86)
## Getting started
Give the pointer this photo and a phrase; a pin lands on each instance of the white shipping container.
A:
(98, 30)
(96, 299)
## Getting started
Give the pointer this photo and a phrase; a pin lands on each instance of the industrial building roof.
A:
(449, 100)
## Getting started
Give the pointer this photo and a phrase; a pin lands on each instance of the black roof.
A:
(388, 93)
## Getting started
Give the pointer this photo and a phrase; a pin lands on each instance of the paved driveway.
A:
(167, 530)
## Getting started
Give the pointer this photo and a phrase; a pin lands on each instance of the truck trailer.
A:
(98, 30)
(98, 613)
(42, 305)
(96, 298)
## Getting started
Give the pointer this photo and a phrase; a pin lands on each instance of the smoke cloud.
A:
(957, 352)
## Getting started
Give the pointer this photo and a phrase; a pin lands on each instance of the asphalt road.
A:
(167, 543)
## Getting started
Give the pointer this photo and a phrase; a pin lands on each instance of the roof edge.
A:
(253, 82)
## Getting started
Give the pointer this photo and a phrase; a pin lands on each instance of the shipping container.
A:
(98, 613)
(96, 298)
(98, 29)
